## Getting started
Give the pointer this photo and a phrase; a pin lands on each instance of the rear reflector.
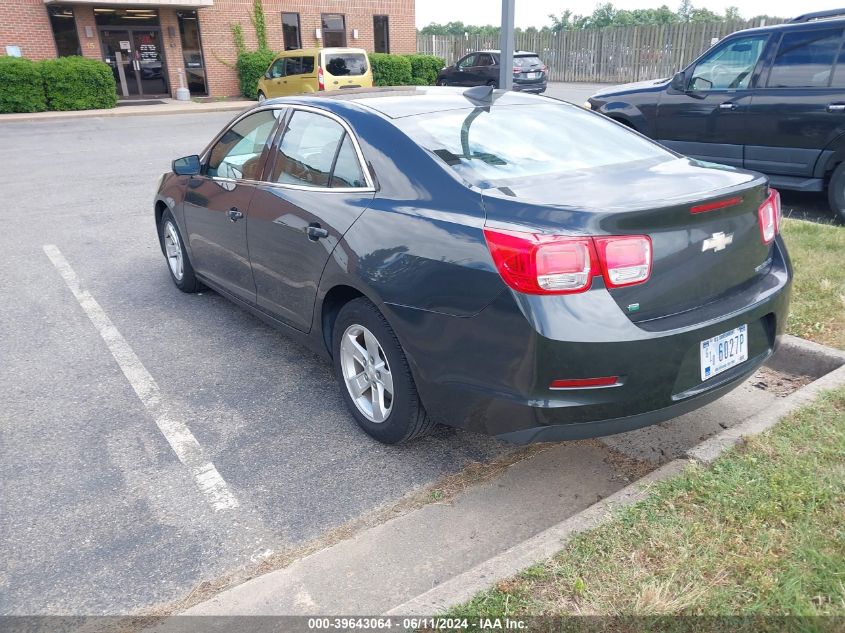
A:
(585, 383)
(720, 204)
(769, 216)
(625, 260)
(321, 84)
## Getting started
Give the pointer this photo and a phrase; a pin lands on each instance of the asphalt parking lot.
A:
(99, 513)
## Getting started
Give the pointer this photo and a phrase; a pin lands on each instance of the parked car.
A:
(770, 99)
(306, 70)
(560, 278)
(482, 69)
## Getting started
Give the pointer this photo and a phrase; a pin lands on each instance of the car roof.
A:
(810, 24)
(314, 51)
(498, 52)
(403, 101)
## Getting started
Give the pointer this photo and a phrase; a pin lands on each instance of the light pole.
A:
(506, 45)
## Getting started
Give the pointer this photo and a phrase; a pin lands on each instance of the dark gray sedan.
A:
(481, 68)
(560, 278)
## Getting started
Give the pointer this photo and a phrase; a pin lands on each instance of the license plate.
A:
(722, 352)
(532, 75)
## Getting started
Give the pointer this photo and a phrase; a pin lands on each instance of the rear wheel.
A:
(836, 192)
(376, 382)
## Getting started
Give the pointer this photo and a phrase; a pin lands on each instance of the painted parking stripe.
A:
(183, 442)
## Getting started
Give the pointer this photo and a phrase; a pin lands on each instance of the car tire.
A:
(261, 97)
(442, 82)
(836, 192)
(178, 262)
(493, 83)
(369, 362)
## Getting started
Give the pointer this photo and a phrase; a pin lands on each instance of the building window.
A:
(64, 31)
(189, 31)
(381, 34)
(290, 31)
(334, 30)
(105, 16)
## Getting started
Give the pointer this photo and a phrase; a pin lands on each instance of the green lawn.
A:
(762, 531)
(818, 297)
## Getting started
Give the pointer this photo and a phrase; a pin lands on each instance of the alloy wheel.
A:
(173, 250)
(366, 373)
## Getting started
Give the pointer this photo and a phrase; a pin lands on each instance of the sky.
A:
(535, 12)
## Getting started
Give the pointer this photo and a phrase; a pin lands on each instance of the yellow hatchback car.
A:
(314, 69)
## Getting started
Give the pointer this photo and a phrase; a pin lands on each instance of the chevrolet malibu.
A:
(495, 261)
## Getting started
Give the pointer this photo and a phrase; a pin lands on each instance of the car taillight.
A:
(770, 216)
(536, 263)
(625, 260)
(516, 71)
(542, 264)
(320, 84)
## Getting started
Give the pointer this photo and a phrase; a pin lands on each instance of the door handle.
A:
(727, 105)
(836, 107)
(315, 232)
(235, 214)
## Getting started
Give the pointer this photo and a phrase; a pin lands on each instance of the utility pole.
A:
(506, 45)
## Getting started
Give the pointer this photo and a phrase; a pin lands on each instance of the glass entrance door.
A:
(137, 61)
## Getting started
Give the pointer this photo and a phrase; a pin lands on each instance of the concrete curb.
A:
(803, 355)
(124, 111)
(544, 545)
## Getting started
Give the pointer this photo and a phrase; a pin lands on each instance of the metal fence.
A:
(613, 55)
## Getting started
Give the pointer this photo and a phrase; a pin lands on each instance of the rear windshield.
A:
(526, 61)
(340, 64)
(518, 141)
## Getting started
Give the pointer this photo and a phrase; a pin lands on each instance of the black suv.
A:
(482, 68)
(770, 99)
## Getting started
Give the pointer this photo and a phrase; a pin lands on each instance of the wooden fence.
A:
(613, 55)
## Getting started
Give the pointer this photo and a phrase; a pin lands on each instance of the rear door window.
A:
(484, 59)
(347, 167)
(307, 65)
(805, 59)
(306, 154)
(346, 64)
(293, 66)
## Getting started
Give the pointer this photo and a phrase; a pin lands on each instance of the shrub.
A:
(424, 69)
(250, 67)
(77, 83)
(21, 86)
(390, 70)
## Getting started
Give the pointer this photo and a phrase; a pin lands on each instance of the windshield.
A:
(339, 64)
(517, 141)
(526, 61)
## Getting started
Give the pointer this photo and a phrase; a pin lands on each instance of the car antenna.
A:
(483, 94)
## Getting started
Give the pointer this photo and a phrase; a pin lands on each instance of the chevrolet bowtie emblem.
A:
(718, 242)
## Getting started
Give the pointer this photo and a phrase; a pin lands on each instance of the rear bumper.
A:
(537, 87)
(491, 372)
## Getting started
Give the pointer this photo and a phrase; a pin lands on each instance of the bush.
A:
(424, 69)
(21, 86)
(77, 83)
(250, 66)
(390, 70)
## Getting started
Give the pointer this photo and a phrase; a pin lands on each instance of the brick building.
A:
(150, 43)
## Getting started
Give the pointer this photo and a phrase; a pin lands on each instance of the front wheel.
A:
(376, 382)
(442, 82)
(836, 192)
(261, 97)
(181, 271)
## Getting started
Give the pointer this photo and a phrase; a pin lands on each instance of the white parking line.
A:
(183, 442)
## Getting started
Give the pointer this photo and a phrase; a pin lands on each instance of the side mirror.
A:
(679, 82)
(187, 166)
(267, 75)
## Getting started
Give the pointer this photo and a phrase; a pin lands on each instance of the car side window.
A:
(293, 66)
(484, 60)
(838, 79)
(805, 59)
(307, 65)
(307, 150)
(467, 61)
(277, 69)
(238, 152)
(728, 67)
(347, 167)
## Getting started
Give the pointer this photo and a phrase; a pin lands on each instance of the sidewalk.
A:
(170, 106)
